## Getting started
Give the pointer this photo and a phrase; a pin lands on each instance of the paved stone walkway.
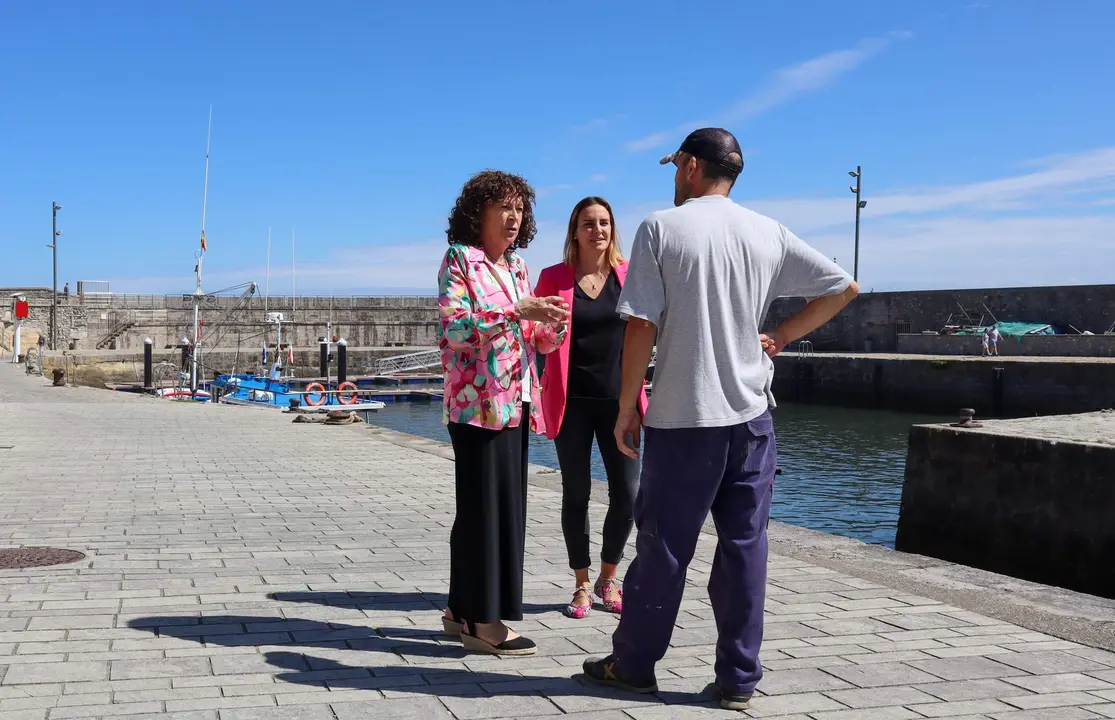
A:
(242, 567)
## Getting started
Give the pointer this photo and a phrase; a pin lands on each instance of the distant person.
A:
(701, 280)
(580, 399)
(993, 336)
(66, 291)
(985, 341)
(490, 331)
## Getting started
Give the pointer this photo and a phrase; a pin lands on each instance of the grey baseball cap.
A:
(713, 145)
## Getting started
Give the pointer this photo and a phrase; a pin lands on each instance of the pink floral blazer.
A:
(483, 342)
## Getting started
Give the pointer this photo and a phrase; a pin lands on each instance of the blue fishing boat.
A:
(259, 391)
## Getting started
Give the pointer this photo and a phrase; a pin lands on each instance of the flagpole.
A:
(197, 269)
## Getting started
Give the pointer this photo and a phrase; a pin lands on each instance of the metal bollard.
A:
(148, 373)
(324, 363)
(342, 361)
(967, 419)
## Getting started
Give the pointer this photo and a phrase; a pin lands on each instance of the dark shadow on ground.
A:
(453, 682)
(387, 601)
(398, 646)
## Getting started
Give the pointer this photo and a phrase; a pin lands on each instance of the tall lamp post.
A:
(860, 204)
(55, 233)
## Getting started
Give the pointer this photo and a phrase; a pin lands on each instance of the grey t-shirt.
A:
(705, 274)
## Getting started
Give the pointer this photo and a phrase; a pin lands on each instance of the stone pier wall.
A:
(873, 321)
(95, 368)
(1029, 345)
(1032, 499)
(1000, 387)
(122, 322)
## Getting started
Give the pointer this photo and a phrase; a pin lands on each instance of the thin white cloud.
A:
(782, 86)
(596, 124)
(1052, 185)
(956, 252)
(1025, 229)
(550, 190)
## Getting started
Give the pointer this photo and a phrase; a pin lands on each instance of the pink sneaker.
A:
(604, 588)
(578, 612)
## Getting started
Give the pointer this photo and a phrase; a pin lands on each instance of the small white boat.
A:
(183, 394)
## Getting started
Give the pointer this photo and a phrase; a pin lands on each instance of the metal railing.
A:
(409, 362)
(124, 322)
(805, 349)
(93, 287)
(274, 302)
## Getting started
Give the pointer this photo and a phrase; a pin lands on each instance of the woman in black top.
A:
(580, 398)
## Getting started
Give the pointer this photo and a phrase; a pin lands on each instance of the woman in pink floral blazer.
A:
(491, 329)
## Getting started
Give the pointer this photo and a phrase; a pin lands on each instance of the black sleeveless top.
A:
(596, 343)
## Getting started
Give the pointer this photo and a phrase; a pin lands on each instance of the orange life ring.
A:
(349, 399)
(315, 387)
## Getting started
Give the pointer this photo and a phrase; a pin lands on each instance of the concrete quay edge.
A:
(1066, 614)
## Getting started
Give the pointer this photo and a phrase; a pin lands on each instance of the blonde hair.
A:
(572, 254)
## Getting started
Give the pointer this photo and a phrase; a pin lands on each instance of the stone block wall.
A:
(94, 369)
(1036, 509)
(1011, 388)
(86, 322)
(1029, 345)
(873, 320)
(871, 323)
(72, 319)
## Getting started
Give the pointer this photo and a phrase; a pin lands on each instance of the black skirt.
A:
(488, 540)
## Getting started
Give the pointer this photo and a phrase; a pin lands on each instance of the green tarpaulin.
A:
(1013, 329)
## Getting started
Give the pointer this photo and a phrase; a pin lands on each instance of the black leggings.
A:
(583, 419)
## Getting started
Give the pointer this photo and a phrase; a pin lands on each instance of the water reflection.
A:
(841, 469)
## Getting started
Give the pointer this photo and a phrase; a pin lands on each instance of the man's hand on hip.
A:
(771, 345)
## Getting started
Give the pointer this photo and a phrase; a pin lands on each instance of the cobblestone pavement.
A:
(242, 567)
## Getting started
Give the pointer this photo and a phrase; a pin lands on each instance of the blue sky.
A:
(984, 130)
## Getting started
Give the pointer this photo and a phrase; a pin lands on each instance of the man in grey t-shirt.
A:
(701, 279)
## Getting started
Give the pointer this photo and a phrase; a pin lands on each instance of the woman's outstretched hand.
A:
(551, 309)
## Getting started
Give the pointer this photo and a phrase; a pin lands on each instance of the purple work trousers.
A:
(686, 473)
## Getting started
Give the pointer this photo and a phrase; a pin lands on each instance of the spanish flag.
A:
(203, 245)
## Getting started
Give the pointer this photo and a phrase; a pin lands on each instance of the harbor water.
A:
(841, 468)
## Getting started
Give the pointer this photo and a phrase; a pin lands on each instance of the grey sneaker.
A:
(731, 700)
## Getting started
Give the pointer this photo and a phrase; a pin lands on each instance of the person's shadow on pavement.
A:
(395, 672)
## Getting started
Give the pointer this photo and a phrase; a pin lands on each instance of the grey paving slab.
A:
(242, 567)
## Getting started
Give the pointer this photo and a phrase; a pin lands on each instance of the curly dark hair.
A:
(481, 190)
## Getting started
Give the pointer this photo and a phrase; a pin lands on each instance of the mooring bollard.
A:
(967, 419)
(324, 363)
(342, 361)
(148, 375)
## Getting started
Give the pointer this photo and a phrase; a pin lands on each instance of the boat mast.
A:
(267, 281)
(293, 302)
(198, 294)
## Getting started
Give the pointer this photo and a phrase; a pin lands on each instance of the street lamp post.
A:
(55, 233)
(860, 204)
